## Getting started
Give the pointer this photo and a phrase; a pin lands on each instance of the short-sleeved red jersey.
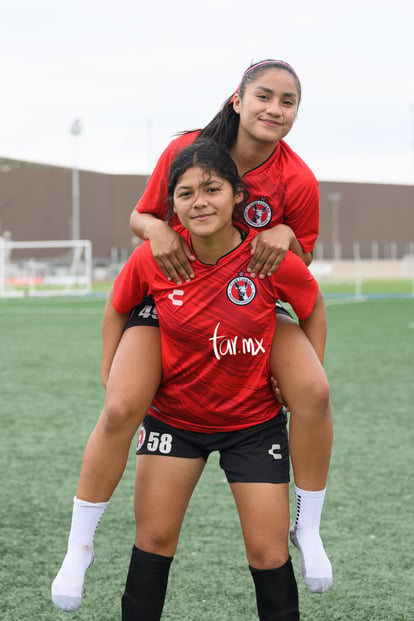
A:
(216, 332)
(282, 190)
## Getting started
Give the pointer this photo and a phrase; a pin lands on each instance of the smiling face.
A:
(204, 203)
(268, 106)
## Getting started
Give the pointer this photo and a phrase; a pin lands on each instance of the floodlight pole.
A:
(75, 130)
(412, 123)
(335, 198)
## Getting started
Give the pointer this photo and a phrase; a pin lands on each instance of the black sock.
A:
(146, 586)
(276, 593)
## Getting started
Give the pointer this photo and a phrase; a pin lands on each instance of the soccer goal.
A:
(45, 268)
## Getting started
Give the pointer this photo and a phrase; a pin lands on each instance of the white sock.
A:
(316, 567)
(67, 587)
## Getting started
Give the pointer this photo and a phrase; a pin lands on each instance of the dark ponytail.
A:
(224, 126)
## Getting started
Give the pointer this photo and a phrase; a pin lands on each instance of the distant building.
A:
(36, 204)
(378, 218)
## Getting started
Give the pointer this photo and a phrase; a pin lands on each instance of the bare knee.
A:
(157, 543)
(299, 373)
(265, 558)
(118, 415)
(310, 396)
(318, 392)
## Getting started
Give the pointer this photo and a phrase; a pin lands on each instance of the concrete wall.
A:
(367, 213)
(36, 204)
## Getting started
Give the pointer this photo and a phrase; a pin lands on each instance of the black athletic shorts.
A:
(258, 454)
(145, 314)
(281, 310)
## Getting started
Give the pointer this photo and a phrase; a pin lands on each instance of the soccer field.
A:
(50, 398)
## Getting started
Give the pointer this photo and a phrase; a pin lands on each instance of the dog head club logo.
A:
(241, 290)
(257, 213)
(141, 438)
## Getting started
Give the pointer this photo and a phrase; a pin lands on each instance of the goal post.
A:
(45, 268)
(408, 267)
(358, 277)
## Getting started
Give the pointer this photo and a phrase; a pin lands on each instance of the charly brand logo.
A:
(175, 297)
(258, 213)
(273, 451)
(241, 290)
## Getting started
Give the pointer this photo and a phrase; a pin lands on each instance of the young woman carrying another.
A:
(283, 207)
(217, 330)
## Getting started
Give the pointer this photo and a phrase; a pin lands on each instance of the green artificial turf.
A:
(50, 399)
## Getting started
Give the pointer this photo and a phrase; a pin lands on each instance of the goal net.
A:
(45, 268)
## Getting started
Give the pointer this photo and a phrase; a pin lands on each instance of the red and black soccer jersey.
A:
(216, 332)
(282, 190)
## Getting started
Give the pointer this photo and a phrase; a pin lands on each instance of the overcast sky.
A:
(135, 72)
